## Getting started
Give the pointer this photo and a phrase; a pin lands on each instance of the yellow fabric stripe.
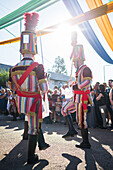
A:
(103, 22)
(87, 78)
(21, 72)
(42, 81)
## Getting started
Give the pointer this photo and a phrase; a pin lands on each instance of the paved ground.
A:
(62, 155)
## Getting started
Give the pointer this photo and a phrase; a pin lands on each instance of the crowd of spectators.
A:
(8, 103)
(102, 104)
(99, 115)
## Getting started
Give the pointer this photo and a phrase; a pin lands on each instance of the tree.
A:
(4, 76)
(59, 66)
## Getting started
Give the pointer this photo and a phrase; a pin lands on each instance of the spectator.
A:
(54, 100)
(58, 109)
(109, 104)
(102, 103)
(99, 121)
(3, 98)
(9, 101)
(14, 111)
(111, 96)
(91, 116)
(107, 112)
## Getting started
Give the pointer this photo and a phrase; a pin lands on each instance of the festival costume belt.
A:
(34, 95)
(84, 97)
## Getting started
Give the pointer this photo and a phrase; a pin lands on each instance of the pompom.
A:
(34, 18)
(27, 18)
(31, 20)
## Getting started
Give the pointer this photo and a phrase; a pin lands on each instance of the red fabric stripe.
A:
(26, 73)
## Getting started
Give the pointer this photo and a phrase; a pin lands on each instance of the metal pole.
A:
(104, 73)
(20, 34)
(41, 50)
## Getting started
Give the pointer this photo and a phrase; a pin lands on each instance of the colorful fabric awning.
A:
(75, 9)
(17, 15)
(103, 22)
(94, 13)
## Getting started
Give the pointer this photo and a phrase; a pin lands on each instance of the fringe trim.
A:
(42, 81)
(21, 72)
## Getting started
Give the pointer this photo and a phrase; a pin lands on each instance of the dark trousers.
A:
(111, 112)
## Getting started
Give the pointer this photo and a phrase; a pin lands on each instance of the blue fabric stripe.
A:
(31, 125)
(24, 62)
(75, 9)
(25, 103)
(20, 103)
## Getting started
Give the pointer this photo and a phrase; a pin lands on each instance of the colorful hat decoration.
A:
(28, 37)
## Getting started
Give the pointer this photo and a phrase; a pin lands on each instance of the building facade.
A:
(56, 79)
(4, 67)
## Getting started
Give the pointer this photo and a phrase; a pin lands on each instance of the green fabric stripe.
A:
(17, 15)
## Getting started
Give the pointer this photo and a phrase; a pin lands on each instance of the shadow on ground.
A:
(16, 159)
(8, 124)
(100, 156)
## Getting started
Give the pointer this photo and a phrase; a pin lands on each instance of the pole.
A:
(104, 72)
(20, 34)
(41, 50)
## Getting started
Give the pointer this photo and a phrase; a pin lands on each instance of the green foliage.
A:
(4, 76)
(59, 66)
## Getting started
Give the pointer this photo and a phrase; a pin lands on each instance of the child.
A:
(58, 109)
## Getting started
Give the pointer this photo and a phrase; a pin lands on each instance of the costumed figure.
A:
(70, 107)
(82, 95)
(28, 79)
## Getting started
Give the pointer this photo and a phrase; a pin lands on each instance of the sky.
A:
(57, 43)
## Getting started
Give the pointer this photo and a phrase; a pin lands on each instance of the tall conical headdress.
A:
(28, 37)
(78, 50)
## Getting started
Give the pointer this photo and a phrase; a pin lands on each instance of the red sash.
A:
(26, 73)
(36, 99)
(84, 97)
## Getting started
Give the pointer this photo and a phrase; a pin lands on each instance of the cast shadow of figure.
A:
(59, 128)
(19, 124)
(100, 155)
(103, 148)
(17, 159)
(94, 160)
(74, 161)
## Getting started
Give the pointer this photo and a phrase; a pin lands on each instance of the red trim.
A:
(80, 69)
(26, 73)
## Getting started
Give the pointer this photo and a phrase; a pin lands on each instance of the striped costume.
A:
(68, 108)
(29, 90)
(82, 94)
